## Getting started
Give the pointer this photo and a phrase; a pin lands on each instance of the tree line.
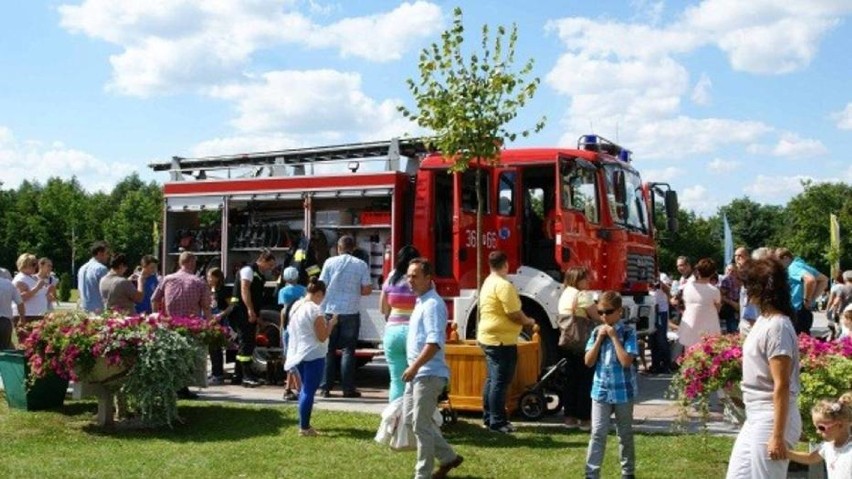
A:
(59, 219)
(802, 225)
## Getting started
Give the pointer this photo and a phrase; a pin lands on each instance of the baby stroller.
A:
(268, 358)
(545, 396)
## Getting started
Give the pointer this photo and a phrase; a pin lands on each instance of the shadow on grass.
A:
(349, 433)
(200, 423)
(463, 433)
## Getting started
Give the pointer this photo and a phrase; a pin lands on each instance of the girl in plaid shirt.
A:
(611, 350)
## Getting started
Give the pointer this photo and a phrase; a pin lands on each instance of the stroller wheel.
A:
(532, 405)
(552, 400)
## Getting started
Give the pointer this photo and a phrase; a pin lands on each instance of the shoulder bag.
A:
(574, 330)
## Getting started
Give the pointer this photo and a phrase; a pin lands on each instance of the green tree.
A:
(130, 228)
(805, 226)
(7, 229)
(25, 229)
(752, 224)
(60, 208)
(695, 238)
(469, 100)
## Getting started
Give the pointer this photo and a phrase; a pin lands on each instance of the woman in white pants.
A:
(770, 381)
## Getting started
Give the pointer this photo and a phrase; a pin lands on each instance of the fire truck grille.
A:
(640, 267)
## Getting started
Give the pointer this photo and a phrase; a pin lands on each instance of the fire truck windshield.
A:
(624, 195)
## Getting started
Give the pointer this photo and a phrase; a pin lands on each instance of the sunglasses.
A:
(606, 311)
(825, 427)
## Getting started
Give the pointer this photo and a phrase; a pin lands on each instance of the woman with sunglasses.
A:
(770, 381)
(832, 420)
(33, 289)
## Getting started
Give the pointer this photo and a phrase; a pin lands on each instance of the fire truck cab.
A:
(547, 208)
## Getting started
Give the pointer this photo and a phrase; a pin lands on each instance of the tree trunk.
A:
(479, 201)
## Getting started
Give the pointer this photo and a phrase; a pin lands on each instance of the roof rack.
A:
(392, 149)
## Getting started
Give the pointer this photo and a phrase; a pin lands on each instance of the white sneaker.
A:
(507, 428)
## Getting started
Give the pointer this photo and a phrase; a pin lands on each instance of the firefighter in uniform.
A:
(247, 300)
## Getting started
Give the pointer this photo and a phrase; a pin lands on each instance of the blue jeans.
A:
(345, 337)
(661, 355)
(394, 342)
(601, 413)
(311, 374)
(500, 362)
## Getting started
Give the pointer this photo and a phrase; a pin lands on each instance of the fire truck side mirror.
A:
(671, 210)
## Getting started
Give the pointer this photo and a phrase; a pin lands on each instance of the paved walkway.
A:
(653, 412)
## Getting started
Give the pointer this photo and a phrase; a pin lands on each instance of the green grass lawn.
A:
(225, 440)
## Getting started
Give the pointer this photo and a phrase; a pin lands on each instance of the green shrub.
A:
(828, 382)
(64, 291)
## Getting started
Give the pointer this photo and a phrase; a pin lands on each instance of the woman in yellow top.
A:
(576, 300)
(500, 323)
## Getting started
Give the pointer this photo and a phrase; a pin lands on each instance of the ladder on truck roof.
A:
(392, 149)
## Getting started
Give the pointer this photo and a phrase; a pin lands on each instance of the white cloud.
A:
(244, 144)
(765, 36)
(33, 160)
(679, 137)
(844, 118)
(775, 189)
(701, 92)
(699, 200)
(383, 37)
(313, 102)
(627, 77)
(718, 165)
(791, 145)
(663, 175)
(170, 46)
(650, 10)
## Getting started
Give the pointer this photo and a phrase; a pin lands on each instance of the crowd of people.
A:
(766, 295)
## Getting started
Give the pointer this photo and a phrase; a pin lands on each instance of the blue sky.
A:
(721, 98)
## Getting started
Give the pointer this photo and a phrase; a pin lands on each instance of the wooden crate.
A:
(467, 372)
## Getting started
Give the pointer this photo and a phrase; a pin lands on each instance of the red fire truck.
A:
(547, 208)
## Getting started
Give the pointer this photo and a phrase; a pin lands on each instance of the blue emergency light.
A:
(588, 142)
(625, 155)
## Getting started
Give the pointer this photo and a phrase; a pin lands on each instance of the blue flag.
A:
(728, 242)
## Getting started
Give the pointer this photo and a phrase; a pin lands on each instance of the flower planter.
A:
(45, 393)
(732, 399)
(104, 381)
(467, 372)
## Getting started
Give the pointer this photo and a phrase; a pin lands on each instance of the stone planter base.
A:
(732, 399)
(105, 381)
